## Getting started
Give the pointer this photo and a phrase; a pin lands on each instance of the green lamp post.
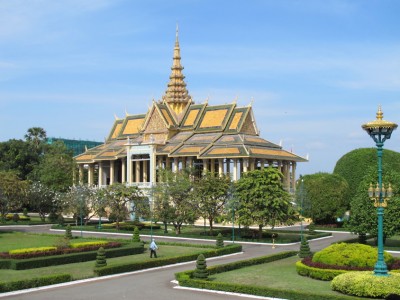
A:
(380, 131)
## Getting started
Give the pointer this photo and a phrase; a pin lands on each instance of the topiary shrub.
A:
(304, 249)
(220, 241)
(352, 255)
(366, 284)
(101, 258)
(201, 268)
(68, 232)
(136, 236)
(15, 218)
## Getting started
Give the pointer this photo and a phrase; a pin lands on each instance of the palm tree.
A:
(36, 136)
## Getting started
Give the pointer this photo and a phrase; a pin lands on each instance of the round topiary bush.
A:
(366, 284)
(351, 255)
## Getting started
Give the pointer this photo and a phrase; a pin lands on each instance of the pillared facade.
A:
(177, 133)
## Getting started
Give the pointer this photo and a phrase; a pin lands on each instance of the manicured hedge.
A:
(122, 268)
(39, 262)
(33, 282)
(185, 279)
(317, 273)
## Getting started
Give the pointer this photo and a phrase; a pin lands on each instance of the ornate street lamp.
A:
(380, 131)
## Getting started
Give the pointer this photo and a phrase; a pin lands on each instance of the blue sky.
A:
(315, 70)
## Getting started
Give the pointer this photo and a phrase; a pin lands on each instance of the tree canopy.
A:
(263, 200)
(325, 197)
(352, 165)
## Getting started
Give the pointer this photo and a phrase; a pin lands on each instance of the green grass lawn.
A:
(279, 274)
(18, 240)
(85, 269)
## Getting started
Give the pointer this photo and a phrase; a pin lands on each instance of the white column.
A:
(252, 162)
(144, 171)
(176, 163)
(137, 175)
(212, 167)
(123, 170)
(91, 174)
(294, 176)
(112, 172)
(245, 165)
(262, 163)
(80, 172)
(100, 182)
(205, 165)
(220, 166)
(235, 161)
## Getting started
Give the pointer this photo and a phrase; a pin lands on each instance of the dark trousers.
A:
(153, 252)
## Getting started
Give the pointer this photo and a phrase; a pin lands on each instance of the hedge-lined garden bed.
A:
(45, 261)
(186, 279)
(33, 282)
(122, 268)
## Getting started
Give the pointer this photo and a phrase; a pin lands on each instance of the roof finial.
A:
(177, 33)
(379, 114)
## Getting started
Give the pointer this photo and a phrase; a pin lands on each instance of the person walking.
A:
(153, 247)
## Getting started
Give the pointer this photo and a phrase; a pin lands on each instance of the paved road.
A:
(153, 284)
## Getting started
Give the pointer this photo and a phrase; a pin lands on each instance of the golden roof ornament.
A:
(176, 95)
(379, 123)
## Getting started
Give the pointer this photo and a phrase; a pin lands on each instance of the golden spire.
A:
(176, 95)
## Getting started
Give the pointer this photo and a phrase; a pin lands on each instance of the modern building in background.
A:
(176, 133)
(77, 146)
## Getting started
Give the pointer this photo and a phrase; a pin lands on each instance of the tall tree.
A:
(211, 194)
(36, 136)
(263, 201)
(177, 188)
(18, 156)
(325, 197)
(122, 199)
(363, 215)
(55, 169)
(12, 193)
(42, 199)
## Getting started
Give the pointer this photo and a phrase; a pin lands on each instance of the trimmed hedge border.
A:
(122, 268)
(317, 273)
(39, 262)
(185, 279)
(33, 282)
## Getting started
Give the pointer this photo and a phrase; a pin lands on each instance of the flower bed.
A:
(57, 251)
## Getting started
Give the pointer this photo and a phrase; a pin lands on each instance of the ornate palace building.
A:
(176, 133)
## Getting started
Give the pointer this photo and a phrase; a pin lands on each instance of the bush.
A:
(220, 241)
(201, 268)
(15, 218)
(34, 282)
(68, 232)
(101, 258)
(54, 260)
(136, 236)
(366, 284)
(30, 250)
(86, 244)
(353, 255)
(317, 273)
(304, 249)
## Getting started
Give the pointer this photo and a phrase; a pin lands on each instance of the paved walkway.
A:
(155, 283)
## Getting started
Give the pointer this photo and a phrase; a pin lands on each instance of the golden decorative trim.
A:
(270, 152)
(224, 151)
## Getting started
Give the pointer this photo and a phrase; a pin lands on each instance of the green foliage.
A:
(30, 250)
(101, 258)
(185, 279)
(304, 249)
(55, 260)
(325, 197)
(34, 282)
(25, 212)
(220, 241)
(85, 244)
(354, 164)
(317, 273)
(175, 195)
(263, 200)
(136, 236)
(42, 199)
(62, 242)
(363, 216)
(12, 193)
(353, 255)
(68, 232)
(366, 284)
(211, 194)
(201, 268)
(15, 217)
(121, 268)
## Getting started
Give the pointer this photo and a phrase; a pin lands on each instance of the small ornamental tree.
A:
(201, 268)
(101, 258)
(220, 241)
(304, 249)
(136, 237)
(68, 233)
